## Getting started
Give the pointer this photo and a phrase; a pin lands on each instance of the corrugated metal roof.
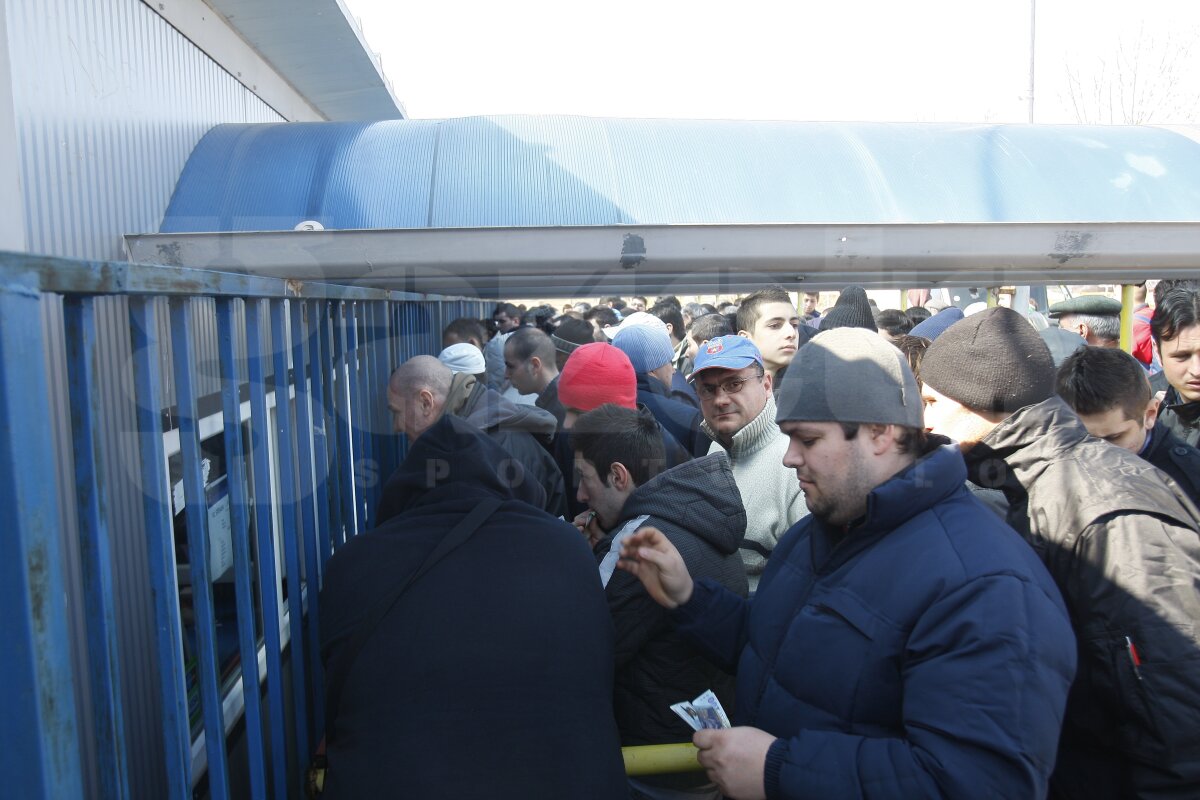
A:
(553, 170)
(345, 83)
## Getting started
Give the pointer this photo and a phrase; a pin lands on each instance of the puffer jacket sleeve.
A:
(1139, 640)
(714, 621)
(983, 705)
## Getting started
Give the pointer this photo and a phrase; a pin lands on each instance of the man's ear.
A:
(425, 401)
(619, 477)
(535, 364)
(745, 334)
(881, 437)
(1151, 412)
(767, 381)
(670, 329)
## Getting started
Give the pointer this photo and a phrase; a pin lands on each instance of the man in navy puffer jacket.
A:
(904, 642)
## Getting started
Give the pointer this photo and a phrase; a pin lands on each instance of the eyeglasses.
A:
(708, 391)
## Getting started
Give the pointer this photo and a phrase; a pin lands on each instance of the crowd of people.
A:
(936, 552)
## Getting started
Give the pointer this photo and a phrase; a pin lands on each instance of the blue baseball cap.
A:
(726, 352)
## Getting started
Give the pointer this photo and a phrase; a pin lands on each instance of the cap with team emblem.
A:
(1095, 304)
(727, 352)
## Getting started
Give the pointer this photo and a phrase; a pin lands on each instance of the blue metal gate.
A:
(239, 519)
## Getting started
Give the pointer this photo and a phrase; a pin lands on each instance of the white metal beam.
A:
(570, 261)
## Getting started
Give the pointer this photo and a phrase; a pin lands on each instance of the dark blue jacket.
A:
(678, 419)
(493, 674)
(926, 653)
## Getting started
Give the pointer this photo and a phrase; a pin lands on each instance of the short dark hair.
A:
(1179, 309)
(639, 297)
(1162, 288)
(670, 298)
(918, 314)
(908, 440)
(602, 314)
(894, 321)
(1093, 380)
(671, 315)
(529, 342)
(914, 348)
(610, 434)
(539, 317)
(748, 313)
(710, 326)
(464, 329)
(508, 310)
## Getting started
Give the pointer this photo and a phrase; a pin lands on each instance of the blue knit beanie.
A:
(648, 348)
(933, 327)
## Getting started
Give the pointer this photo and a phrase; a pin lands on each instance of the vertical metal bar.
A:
(384, 363)
(1127, 305)
(208, 670)
(345, 454)
(91, 493)
(289, 501)
(39, 744)
(268, 580)
(235, 477)
(305, 423)
(320, 448)
(327, 362)
(374, 402)
(358, 410)
(160, 546)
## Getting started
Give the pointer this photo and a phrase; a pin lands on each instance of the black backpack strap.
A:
(367, 627)
(757, 547)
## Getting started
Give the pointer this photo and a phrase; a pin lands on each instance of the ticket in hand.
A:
(703, 712)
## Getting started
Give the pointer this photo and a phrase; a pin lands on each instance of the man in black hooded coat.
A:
(492, 676)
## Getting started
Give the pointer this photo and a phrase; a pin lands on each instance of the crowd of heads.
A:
(969, 372)
(860, 394)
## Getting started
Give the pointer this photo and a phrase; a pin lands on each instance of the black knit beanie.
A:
(990, 361)
(852, 310)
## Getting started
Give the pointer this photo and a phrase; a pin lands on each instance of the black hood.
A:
(454, 460)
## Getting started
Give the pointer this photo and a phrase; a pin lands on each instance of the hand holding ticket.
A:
(703, 712)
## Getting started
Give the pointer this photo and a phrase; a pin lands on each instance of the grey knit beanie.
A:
(852, 310)
(991, 361)
(850, 375)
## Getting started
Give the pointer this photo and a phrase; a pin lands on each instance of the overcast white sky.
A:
(922, 60)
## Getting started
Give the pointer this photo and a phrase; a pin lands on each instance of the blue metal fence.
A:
(238, 523)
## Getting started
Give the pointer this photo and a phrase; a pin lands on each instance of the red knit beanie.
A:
(596, 374)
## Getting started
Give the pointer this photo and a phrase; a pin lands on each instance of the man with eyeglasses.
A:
(739, 416)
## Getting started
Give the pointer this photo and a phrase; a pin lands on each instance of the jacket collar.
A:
(1018, 450)
(1188, 412)
(928, 481)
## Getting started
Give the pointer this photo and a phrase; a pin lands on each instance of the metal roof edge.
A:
(346, 84)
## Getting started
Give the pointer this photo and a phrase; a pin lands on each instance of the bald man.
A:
(422, 389)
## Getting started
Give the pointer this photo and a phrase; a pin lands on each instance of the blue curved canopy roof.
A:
(564, 171)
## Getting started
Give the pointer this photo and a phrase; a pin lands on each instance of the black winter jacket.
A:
(1183, 419)
(698, 507)
(492, 675)
(523, 431)
(1123, 545)
(1181, 461)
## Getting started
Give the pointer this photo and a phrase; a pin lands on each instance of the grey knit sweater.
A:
(770, 491)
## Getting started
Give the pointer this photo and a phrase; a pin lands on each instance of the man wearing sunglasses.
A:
(739, 416)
